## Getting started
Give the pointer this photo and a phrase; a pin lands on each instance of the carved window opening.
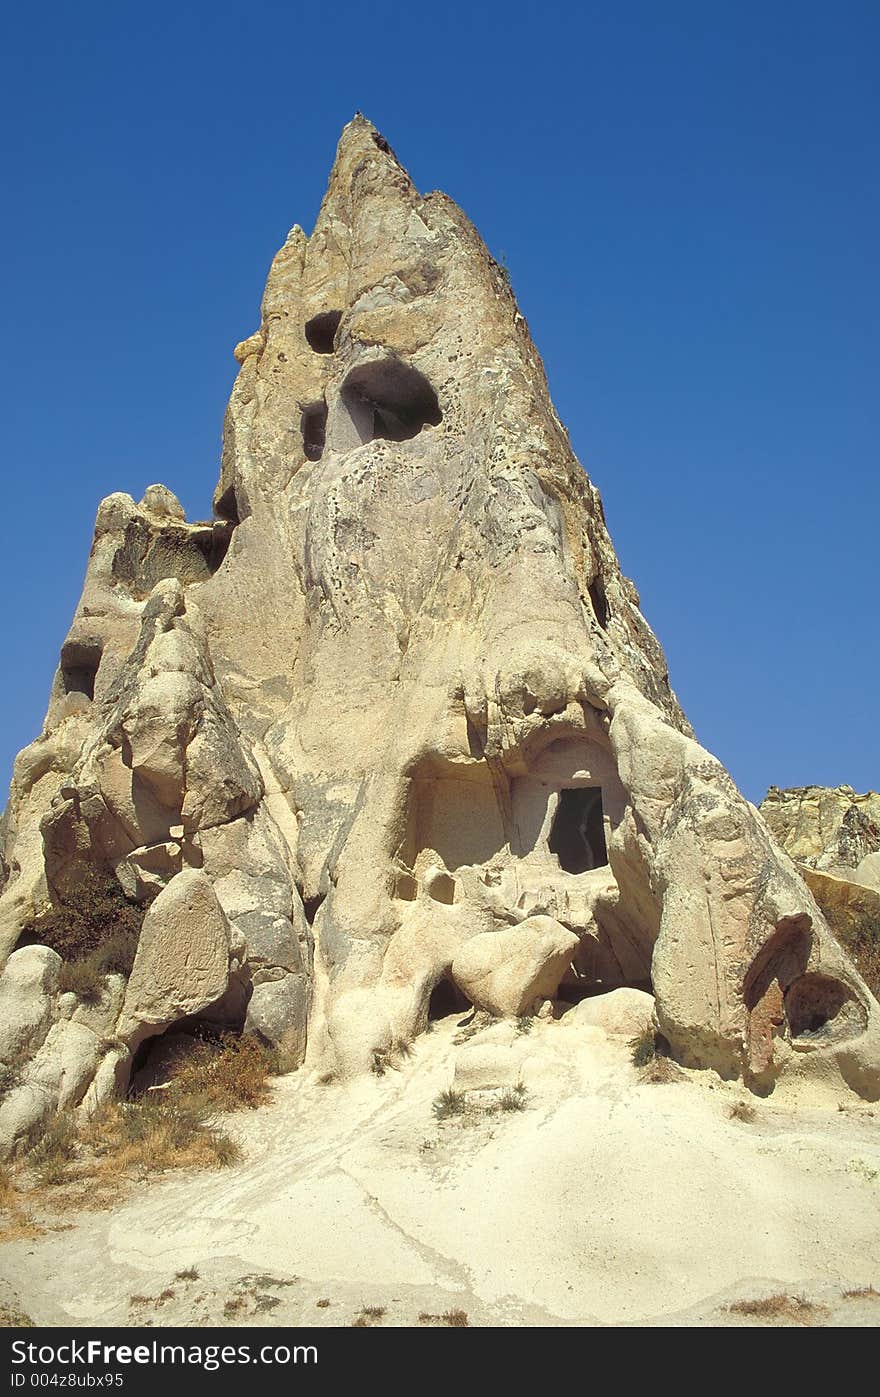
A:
(577, 835)
(79, 667)
(314, 430)
(391, 400)
(321, 331)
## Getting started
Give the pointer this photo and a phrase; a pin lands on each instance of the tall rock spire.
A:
(399, 704)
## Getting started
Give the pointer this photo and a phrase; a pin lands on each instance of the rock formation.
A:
(391, 732)
(833, 835)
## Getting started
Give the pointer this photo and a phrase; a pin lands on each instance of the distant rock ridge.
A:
(390, 734)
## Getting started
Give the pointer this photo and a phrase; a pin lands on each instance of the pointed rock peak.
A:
(360, 144)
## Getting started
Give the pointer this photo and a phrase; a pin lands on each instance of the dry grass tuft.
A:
(449, 1103)
(643, 1048)
(322, 1304)
(190, 1274)
(794, 1308)
(514, 1098)
(368, 1317)
(229, 1073)
(864, 1292)
(742, 1111)
(660, 1071)
(11, 1318)
(16, 1225)
(453, 1319)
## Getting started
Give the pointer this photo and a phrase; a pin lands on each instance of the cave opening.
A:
(391, 400)
(79, 667)
(447, 998)
(577, 835)
(321, 330)
(599, 601)
(314, 429)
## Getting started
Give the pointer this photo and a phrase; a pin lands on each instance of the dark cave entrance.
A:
(321, 331)
(447, 998)
(577, 836)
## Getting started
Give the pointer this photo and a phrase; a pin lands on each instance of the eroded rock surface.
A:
(398, 698)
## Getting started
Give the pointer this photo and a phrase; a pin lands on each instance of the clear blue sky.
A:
(686, 196)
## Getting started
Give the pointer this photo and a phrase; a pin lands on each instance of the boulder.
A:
(507, 971)
(182, 960)
(278, 1013)
(27, 985)
(622, 1013)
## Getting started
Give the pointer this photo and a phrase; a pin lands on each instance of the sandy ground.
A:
(606, 1201)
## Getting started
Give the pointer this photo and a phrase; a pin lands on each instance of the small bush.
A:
(322, 1304)
(190, 1274)
(514, 1098)
(456, 1319)
(791, 1307)
(449, 1103)
(742, 1111)
(93, 917)
(525, 1023)
(864, 1292)
(84, 978)
(228, 1072)
(643, 1048)
(58, 1142)
(10, 1318)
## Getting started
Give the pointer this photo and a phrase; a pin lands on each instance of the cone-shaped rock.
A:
(399, 695)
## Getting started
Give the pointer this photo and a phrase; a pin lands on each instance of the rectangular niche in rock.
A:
(577, 835)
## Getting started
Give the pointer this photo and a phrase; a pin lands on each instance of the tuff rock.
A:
(397, 696)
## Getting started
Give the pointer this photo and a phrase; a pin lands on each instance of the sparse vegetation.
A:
(742, 1111)
(190, 1274)
(661, 1071)
(322, 1304)
(368, 1316)
(229, 1072)
(525, 1023)
(514, 1098)
(85, 1163)
(454, 1319)
(794, 1308)
(864, 1292)
(94, 926)
(864, 947)
(10, 1318)
(643, 1048)
(449, 1103)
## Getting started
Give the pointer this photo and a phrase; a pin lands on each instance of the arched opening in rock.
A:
(79, 666)
(577, 835)
(820, 1007)
(447, 998)
(780, 960)
(599, 601)
(321, 331)
(314, 429)
(389, 399)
